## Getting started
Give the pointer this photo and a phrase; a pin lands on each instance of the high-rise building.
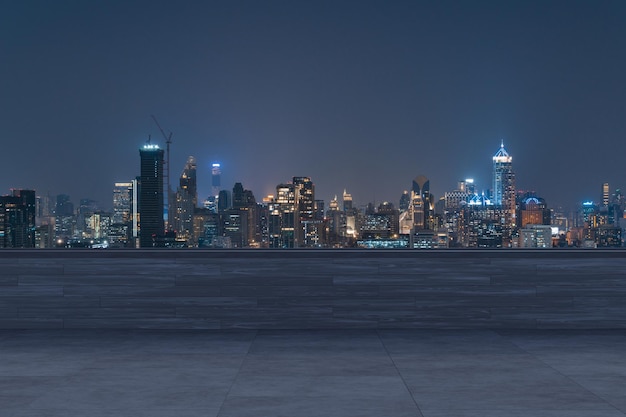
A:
(349, 227)
(504, 191)
(17, 219)
(206, 225)
(85, 209)
(536, 236)
(64, 219)
(503, 177)
(152, 224)
(240, 222)
(223, 201)
(186, 201)
(605, 194)
(533, 211)
(307, 231)
(216, 179)
(29, 202)
(283, 217)
(421, 209)
(122, 202)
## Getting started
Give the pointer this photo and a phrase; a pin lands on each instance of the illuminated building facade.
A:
(308, 228)
(122, 202)
(152, 224)
(186, 201)
(504, 191)
(216, 179)
(605, 194)
(536, 236)
(17, 219)
(533, 210)
(244, 207)
(283, 214)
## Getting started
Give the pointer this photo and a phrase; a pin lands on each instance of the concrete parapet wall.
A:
(312, 289)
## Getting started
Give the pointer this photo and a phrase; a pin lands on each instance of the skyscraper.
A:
(64, 220)
(122, 202)
(605, 194)
(17, 219)
(285, 213)
(422, 204)
(186, 200)
(503, 177)
(504, 191)
(152, 223)
(216, 179)
(307, 229)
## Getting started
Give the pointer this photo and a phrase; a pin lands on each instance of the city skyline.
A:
(361, 96)
(600, 195)
(292, 217)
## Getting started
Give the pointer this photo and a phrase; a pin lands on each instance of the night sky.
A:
(354, 94)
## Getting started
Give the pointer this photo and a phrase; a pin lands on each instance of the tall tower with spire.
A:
(504, 189)
(502, 174)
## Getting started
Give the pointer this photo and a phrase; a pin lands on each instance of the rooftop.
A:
(432, 373)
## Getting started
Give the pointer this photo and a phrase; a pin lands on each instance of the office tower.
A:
(347, 201)
(121, 228)
(186, 201)
(503, 178)
(44, 207)
(382, 223)
(152, 224)
(421, 207)
(284, 216)
(98, 225)
(17, 219)
(29, 203)
(216, 179)
(348, 226)
(605, 194)
(504, 190)
(44, 222)
(307, 231)
(135, 212)
(318, 210)
(536, 236)
(85, 209)
(223, 201)
(239, 223)
(334, 204)
(122, 202)
(405, 201)
(206, 225)
(533, 211)
(64, 219)
(63, 206)
(421, 186)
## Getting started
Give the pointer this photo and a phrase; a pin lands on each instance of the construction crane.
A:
(166, 176)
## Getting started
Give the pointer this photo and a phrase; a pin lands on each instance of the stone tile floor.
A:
(391, 373)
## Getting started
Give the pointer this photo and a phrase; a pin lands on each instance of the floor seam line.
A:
(399, 373)
(256, 333)
(560, 373)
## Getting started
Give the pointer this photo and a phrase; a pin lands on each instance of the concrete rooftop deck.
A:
(262, 373)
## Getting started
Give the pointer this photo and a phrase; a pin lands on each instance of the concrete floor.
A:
(313, 373)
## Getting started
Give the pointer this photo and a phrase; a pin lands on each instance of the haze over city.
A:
(361, 95)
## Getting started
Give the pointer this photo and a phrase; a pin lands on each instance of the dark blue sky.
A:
(355, 94)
